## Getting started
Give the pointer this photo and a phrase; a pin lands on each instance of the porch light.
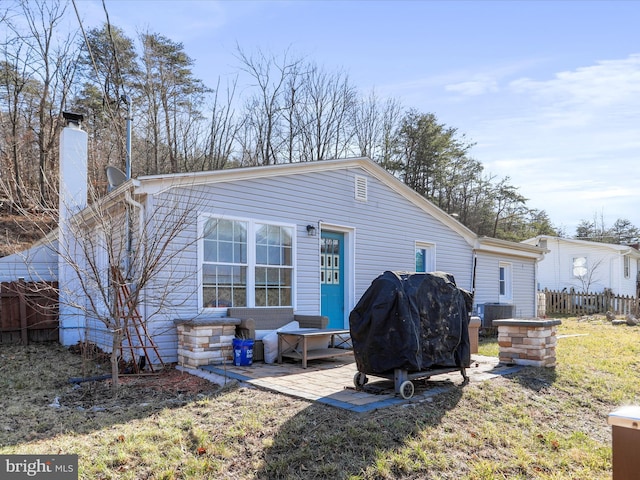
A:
(311, 230)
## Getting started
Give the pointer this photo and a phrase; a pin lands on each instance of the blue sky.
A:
(548, 90)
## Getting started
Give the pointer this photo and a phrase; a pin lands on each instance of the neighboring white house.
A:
(311, 236)
(587, 266)
(36, 264)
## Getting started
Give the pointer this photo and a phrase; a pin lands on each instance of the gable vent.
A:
(361, 188)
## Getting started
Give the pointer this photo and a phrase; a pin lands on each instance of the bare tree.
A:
(53, 63)
(173, 93)
(223, 130)
(587, 274)
(16, 91)
(325, 116)
(375, 123)
(117, 255)
(263, 137)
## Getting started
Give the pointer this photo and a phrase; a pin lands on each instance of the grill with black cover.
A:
(411, 322)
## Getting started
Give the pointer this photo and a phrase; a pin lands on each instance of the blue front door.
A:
(332, 277)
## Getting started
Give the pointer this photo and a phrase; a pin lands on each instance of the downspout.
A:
(617, 278)
(474, 266)
(535, 288)
(129, 200)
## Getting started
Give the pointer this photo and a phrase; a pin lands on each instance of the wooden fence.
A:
(28, 312)
(570, 302)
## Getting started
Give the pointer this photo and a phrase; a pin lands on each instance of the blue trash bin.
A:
(242, 352)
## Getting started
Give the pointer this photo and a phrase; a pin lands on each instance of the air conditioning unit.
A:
(496, 311)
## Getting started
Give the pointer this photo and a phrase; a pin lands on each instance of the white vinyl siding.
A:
(381, 235)
(522, 282)
(39, 263)
(383, 226)
(604, 267)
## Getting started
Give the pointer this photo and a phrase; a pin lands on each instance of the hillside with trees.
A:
(277, 108)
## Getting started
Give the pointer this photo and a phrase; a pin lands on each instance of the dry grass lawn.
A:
(536, 424)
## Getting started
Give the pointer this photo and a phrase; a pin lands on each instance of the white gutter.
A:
(141, 245)
(129, 199)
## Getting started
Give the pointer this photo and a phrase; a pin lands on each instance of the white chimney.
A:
(72, 199)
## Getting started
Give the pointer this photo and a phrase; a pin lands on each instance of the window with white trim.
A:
(627, 266)
(246, 264)
(425, 257)
(579, 266)
(274, 265)
(224, 263)
(505, 282)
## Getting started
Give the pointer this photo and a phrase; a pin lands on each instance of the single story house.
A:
(587, 266)
(311, 236)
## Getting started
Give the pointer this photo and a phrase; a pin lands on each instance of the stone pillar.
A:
(205, 341)
(474, 327)
(527, 341)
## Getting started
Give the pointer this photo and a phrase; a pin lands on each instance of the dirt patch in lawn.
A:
(168, 386)
(39, 401)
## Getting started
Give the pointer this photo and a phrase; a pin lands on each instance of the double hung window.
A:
(627, 266)
(506, 292)
(225, 263)
(246, 264)
(274, 265)
(579, 266)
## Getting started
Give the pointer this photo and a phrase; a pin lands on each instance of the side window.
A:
(579, 266)
(506, 292)
(627, 266)
(425, 257)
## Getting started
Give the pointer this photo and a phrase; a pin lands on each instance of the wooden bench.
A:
(270, 318)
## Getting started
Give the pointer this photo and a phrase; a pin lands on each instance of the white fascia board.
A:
(115, 197)
(505, 247)
(153, 184)
(583, 243)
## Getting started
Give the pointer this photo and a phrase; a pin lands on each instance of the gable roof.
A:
(612, 247)
(153, 184)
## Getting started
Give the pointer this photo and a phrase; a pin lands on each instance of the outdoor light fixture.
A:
(311, 230)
